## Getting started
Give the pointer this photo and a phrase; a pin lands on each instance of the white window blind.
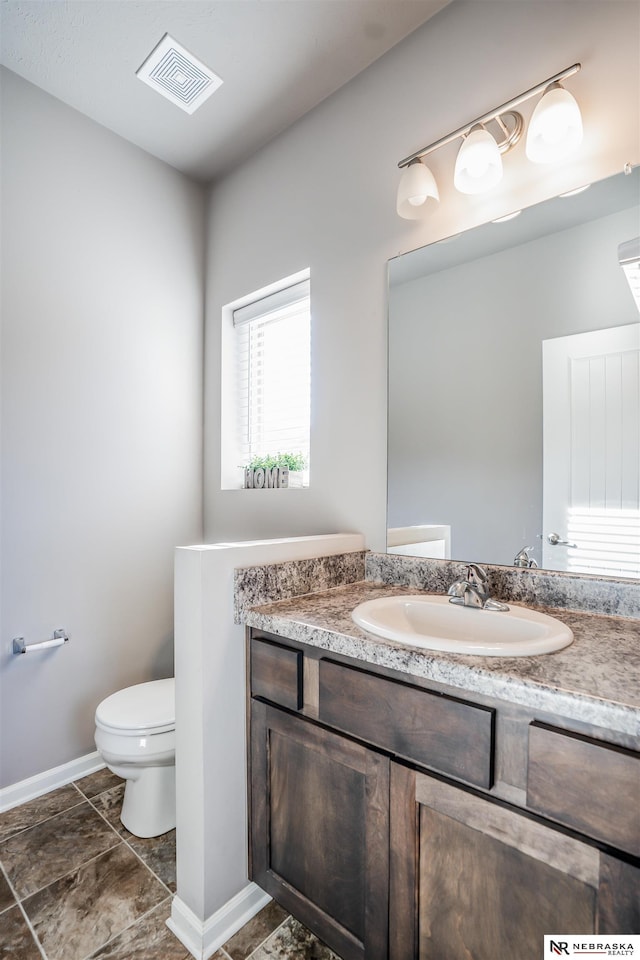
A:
(273, 374)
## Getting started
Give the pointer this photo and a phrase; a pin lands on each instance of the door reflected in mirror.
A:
(514, 397)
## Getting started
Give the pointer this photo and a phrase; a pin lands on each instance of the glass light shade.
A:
(555, 128)
(507, 217)
(574, 193)
(417, 192)
(478, 164)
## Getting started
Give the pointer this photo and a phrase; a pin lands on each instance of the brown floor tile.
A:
(84, 890)
(7, 899)
(292, 941)
(16, 940)
(159, 853)
(34, 811)
(109, 804)
(255, 931)
(38, 856)
(97, 783)
(147, 939)
(80, 912)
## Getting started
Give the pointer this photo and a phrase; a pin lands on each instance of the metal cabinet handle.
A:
(555, 541)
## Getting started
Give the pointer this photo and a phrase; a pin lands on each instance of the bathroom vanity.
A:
(405, 803)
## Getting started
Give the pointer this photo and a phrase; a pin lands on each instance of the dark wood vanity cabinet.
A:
(474, 878)
(320, 829)
(373, 817)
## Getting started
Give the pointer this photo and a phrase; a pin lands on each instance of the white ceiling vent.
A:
(178, 75)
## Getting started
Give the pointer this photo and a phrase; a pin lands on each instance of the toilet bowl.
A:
(135, 735)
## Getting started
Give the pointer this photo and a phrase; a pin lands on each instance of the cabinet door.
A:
(319, 830)
(473, 878)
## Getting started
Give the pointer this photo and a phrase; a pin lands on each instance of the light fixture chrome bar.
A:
(485, 118)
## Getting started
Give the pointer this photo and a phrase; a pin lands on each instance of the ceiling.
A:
(278, 59)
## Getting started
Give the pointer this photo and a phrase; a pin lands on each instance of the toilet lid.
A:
(142, 708)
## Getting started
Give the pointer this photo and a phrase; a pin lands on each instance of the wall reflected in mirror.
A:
(514, 390)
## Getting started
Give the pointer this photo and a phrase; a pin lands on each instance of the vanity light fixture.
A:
(555, 129)
(417, 191)
(507, 217)
(574, 193)
(478, 164)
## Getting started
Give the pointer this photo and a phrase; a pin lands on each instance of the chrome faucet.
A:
(522, 558)
(473, 591)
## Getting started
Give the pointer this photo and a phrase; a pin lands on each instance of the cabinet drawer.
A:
(276, 673)
(445, 734)
(585, 784)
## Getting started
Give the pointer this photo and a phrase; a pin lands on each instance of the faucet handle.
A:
(476, 574)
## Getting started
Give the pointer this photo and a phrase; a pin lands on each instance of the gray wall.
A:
(465, 380)
(322, 195)
(102, 263)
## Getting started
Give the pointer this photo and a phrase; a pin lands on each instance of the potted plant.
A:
(275, 470)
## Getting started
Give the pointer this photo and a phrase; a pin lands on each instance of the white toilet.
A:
(136, 736)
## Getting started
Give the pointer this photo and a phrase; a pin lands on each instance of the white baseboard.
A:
(202, 939)
(18, 793)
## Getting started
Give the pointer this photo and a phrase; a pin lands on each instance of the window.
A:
(267, 382)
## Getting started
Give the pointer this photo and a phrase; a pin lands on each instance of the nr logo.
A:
(559, 947)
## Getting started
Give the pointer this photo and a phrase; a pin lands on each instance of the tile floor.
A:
(76, 885)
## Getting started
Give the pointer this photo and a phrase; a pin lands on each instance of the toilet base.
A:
(149, 805)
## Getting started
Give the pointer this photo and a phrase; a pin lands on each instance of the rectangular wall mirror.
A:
(514, 389)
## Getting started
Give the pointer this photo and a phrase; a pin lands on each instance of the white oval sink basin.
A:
(430, 621)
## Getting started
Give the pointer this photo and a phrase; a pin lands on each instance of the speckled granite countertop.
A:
(595, 680)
